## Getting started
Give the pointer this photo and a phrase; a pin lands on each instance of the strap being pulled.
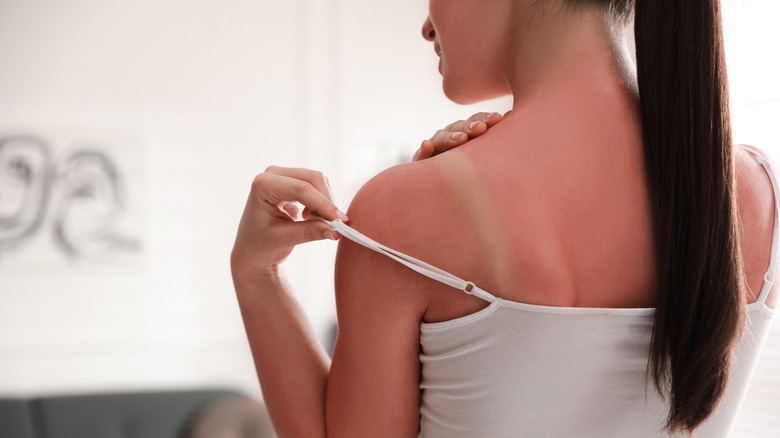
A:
(411, 262)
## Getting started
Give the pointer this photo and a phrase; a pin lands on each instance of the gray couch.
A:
(182, 414)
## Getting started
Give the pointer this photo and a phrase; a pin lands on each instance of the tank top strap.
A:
(769, 277)
(411, 262)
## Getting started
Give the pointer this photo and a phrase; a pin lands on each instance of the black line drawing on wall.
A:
(82, 195)
(25, 168)
(90, 203)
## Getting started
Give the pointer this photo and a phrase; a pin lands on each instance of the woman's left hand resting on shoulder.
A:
(457, 134)
(292, 366)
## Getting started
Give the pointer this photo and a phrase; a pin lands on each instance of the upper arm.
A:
(373, 385)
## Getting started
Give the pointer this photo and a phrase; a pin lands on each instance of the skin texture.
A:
(756, 206)
(549, 206)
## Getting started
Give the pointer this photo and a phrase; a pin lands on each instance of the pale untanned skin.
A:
(549, 207)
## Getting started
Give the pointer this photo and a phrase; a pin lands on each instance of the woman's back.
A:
(549, 207)
(560, 194)
(563, 364)
(549, 211)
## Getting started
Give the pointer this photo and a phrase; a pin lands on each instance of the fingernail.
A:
(473, 124)
(328, 235)
(455, 135)
(492, 115)
(340, 214)
(416, 154)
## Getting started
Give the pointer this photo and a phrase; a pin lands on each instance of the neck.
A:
(565, 59)
(577, 87)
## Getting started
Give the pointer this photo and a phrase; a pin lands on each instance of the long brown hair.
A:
(683, 88)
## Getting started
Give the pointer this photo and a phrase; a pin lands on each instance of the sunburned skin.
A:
(557, 195)
(756, 210)
(551, 207)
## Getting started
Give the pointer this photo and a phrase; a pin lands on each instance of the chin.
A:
(466, 95)
(460, 98)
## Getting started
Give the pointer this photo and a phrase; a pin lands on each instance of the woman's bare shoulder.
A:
(403, 208)
(396, 199)
(756, 205)
(414, 208)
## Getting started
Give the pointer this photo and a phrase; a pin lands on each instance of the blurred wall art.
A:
(62, 199)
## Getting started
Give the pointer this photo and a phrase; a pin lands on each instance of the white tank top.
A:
(524, 370)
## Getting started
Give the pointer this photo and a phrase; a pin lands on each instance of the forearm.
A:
(291, 364)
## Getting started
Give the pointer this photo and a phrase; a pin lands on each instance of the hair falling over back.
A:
(683, 88)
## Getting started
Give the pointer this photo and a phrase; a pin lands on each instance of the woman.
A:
(611, 238)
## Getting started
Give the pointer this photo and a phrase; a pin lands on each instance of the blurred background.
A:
(130, 133)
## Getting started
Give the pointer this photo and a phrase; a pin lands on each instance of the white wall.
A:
(206, 94)
(195, 98)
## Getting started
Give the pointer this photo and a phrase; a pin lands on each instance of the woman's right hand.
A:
(276, 217)
(457, 134)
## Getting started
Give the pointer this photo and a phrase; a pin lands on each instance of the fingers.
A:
(272, 223)
(493, 119)
(296, 233)
(280, 185)
(313, 177)
(476, 124)
(445, 140)
(457, 134)
(425, 151)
